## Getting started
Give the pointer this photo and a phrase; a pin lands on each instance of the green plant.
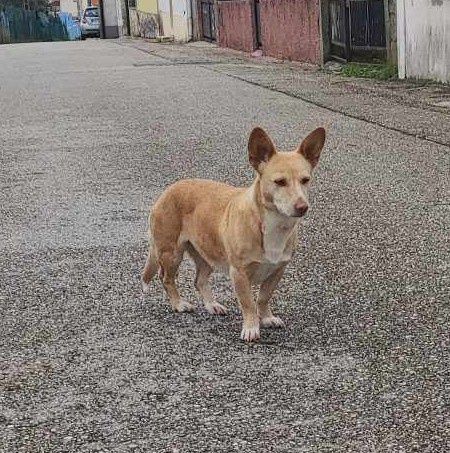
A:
(370, 71)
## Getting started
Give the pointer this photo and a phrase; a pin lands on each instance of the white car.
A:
(90, 22)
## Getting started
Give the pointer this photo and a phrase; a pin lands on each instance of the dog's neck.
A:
(276, 228)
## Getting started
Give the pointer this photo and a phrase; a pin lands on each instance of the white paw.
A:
(250, 333)
(272, 321)
(183, 306)
(216, 309)
(145, 287)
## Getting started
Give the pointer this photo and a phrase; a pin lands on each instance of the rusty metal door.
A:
(357, 29)
(339, 30)
(208, 20)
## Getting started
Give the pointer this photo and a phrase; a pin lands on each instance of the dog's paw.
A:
(273, 322)
(250, 334)
(145, 287)
(183, 306)
(215, 308)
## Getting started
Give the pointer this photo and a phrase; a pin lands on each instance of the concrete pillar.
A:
(401, 38)
(111, 16)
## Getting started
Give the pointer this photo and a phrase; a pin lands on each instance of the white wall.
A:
(423, 37)
(69, 6)
(112, 15)
(176, 19)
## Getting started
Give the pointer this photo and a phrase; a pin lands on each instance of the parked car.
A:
(90, 22)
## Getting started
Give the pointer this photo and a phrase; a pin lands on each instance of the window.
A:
(91, 12)
(132, 3)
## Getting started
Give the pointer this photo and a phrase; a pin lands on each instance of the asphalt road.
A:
(90, 134)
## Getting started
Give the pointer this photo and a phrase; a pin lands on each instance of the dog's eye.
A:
(305, 180)
(281, 182)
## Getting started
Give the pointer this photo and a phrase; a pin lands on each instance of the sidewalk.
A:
(420, 109)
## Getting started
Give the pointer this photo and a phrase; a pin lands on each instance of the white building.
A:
(176, 19)
(423, 39)
(112, 18)
(70, 6)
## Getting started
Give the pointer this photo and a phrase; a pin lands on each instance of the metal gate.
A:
(357, 29)
(208, 20)
(20, 25)
(258, 24)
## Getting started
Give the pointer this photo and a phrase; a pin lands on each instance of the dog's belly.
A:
(214, 256)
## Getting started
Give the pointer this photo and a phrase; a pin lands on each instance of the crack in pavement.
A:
(205, 64)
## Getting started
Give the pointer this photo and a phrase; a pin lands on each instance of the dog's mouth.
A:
(298, 215)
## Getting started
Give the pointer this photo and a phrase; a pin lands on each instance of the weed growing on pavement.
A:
(370, 71)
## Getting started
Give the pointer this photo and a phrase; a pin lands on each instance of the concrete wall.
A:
(124, 12)
(291, 29)
(144, 24)
(112, 15)
(175, 19)
(235, 25)
(144, 19)
(83, 5)
(69, 6)
(423, 34)
(147, 6)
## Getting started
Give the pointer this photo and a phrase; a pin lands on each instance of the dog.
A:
(249, 233)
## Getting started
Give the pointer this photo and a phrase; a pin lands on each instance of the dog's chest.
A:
(277, 239)
(278, 248)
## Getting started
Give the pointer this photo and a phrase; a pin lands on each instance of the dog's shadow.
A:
(214, 328)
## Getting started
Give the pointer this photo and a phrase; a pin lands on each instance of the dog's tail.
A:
(151, 265)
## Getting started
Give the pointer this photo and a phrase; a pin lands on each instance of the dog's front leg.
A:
(242, 286)
(265, 293)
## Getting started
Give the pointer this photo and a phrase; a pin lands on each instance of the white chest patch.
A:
(277, 232)
(264, 271)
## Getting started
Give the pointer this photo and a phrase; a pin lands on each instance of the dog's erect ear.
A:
(260, 148)
(312, 145)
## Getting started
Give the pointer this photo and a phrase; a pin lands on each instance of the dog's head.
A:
(285, 177)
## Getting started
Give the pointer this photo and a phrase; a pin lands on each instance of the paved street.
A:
(90, 134)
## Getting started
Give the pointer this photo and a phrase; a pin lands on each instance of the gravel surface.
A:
(417, 108)
(91, 132)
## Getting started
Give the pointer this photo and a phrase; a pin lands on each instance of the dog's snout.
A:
(300, 208)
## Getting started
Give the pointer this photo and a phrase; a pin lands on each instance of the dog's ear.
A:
(312, 145)
(260, 148)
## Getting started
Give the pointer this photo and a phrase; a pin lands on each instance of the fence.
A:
(19, 25)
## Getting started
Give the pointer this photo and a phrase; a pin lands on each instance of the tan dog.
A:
(249, 233)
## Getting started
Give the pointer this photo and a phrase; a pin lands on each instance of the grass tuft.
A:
(370, 71)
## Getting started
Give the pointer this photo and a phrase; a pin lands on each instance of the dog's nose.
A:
(300, 208)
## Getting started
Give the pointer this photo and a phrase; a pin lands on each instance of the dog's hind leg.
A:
(169, 261)
(202, 285)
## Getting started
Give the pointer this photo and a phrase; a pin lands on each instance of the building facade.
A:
(303, 30)
(70, 7)
(176, 19)
(285, 29)
(112, 22)
(144, 18)
(424, 39)
(170, 19)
